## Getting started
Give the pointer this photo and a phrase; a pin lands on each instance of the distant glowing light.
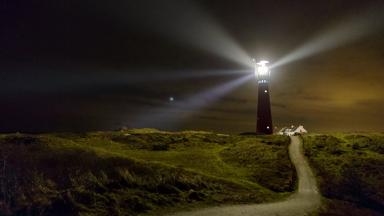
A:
(171, 99)
(266, 91)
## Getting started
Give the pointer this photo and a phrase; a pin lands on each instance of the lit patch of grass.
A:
(265, 161)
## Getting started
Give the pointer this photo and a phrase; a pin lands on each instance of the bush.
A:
(18, 139)
(160, 147)
(377, 144)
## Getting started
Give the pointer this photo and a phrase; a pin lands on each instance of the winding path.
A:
(303, 202)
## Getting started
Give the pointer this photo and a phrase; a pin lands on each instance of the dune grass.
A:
(350, 171)
(133, 172)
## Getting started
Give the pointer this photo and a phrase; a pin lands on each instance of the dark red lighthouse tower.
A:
(264, 115)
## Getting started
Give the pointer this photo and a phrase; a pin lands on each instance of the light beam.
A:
(177, 111)
(187, 23)
(45, 80)
(347, 31)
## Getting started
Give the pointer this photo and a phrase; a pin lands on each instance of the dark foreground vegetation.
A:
(350, 168)
(139, 171)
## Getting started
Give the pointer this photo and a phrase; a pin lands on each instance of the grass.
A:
(143, 171)
(350, 171)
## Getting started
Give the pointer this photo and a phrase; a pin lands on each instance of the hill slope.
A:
(136, 171)
(350, 171)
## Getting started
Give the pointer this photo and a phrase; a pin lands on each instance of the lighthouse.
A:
(264, 115)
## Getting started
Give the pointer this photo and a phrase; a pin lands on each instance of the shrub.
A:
(160, 147)
(18, 139)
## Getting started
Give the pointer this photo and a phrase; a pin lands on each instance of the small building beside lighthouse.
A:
(292, 131)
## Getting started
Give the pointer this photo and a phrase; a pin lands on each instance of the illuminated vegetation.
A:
(350, 171)
(137, 171)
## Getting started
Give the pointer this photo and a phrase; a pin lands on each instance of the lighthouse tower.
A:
(264, 115)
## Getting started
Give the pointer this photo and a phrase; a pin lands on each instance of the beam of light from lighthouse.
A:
(185, 22)
(46, 80)
(169, 116)
(347, 31)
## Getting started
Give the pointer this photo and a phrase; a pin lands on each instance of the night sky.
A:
(102, 65)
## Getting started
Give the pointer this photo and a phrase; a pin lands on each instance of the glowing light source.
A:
(261, 68)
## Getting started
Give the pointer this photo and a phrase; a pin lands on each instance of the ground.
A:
(152, 172)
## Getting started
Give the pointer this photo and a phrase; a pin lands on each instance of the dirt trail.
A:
(303, 202)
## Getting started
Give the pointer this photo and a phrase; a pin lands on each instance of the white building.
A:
(292, 130)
